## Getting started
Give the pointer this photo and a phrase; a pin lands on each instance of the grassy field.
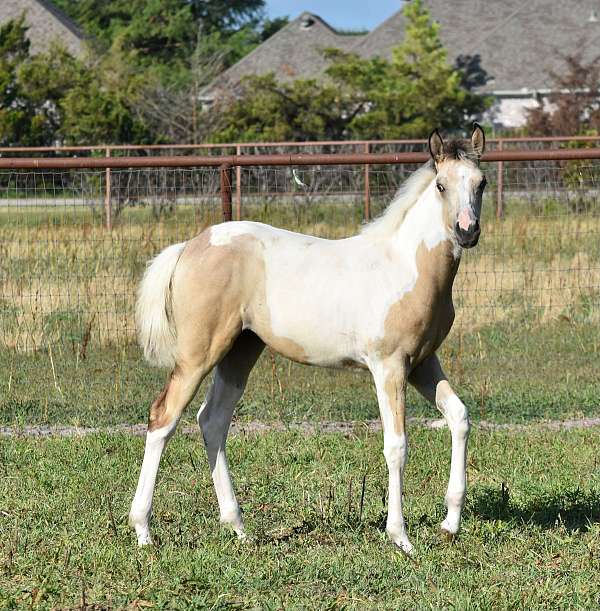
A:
(525, 342)
(531, 537)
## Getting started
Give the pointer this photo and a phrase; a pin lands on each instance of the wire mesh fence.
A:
(66, 278)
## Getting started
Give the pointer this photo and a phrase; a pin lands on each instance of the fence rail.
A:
(280, 159)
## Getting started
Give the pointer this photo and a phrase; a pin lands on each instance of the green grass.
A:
(531, 536)
(511, 372)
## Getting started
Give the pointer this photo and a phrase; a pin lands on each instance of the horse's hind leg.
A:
(215, 416)
(164, 415)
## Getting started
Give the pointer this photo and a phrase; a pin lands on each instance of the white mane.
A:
(403, 201)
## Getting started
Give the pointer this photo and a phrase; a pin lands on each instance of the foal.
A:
(216, 300)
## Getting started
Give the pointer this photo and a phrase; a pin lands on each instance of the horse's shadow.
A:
(574, 509)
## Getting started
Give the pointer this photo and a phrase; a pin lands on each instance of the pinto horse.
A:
(381, 300)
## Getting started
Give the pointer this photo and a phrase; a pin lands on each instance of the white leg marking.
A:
(214, 418)
(457, 418)
(395, 450)
(141, 507)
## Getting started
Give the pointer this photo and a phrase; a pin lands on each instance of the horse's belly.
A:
(309, 332)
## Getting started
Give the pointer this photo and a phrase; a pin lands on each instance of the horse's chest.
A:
(416, 327)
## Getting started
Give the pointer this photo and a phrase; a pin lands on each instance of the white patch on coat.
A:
(221, 235)
(465, 192)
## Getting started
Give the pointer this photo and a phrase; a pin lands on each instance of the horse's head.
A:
(460, 183)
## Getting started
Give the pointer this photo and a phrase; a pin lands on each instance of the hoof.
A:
(236, 525)
(402, 543)
(142, 532)
(144, 539)
(448, 536)
(449, 530)
(245, 539)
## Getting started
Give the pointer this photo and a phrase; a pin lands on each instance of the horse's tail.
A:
(156, 327)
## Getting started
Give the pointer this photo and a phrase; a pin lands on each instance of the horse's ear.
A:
(478, 140)
(436, 145)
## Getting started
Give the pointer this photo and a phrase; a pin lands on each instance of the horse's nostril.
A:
(476, 228)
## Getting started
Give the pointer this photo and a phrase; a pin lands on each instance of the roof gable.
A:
(293, 52)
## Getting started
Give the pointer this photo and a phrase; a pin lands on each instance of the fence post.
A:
(367, 187)
(500, 184)
(107, 198)
(225, 172)
(238, 186)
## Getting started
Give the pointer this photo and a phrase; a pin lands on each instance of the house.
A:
(47, 24)
(508, 49)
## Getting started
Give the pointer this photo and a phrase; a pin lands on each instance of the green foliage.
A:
(272, 111)
(362, 98)
(416, 90)
(55, 96)
(100, 107)
(164, 33)
(21, 119)
(226, 15)
(153, 58)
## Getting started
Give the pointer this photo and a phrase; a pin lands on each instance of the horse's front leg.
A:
(429, 379)
(390, 377)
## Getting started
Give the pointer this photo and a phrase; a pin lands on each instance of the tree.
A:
(271, 111)
(16, 110)
(418, 88)
(574, 107)
(175, 112)
(31, 88)
(54, 97)
(227, 16)
(164, 33)
(100, 105)
(360, 98)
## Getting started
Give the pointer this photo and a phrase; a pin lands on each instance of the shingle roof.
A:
(518, 41)
(46, 24)
(293, 52)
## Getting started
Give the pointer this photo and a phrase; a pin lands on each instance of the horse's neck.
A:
(426, 239)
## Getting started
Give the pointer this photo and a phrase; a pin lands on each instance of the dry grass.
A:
(64, 276)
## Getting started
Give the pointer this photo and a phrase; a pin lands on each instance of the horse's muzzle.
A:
(467, 238)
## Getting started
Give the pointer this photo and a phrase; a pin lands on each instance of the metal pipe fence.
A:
(65, 278)
(238, 160)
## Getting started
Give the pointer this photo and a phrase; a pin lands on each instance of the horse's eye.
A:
(440, 187)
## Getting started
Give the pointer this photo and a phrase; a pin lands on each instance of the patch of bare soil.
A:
(307, 428)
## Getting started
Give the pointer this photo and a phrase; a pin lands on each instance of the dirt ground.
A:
(308, 428)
